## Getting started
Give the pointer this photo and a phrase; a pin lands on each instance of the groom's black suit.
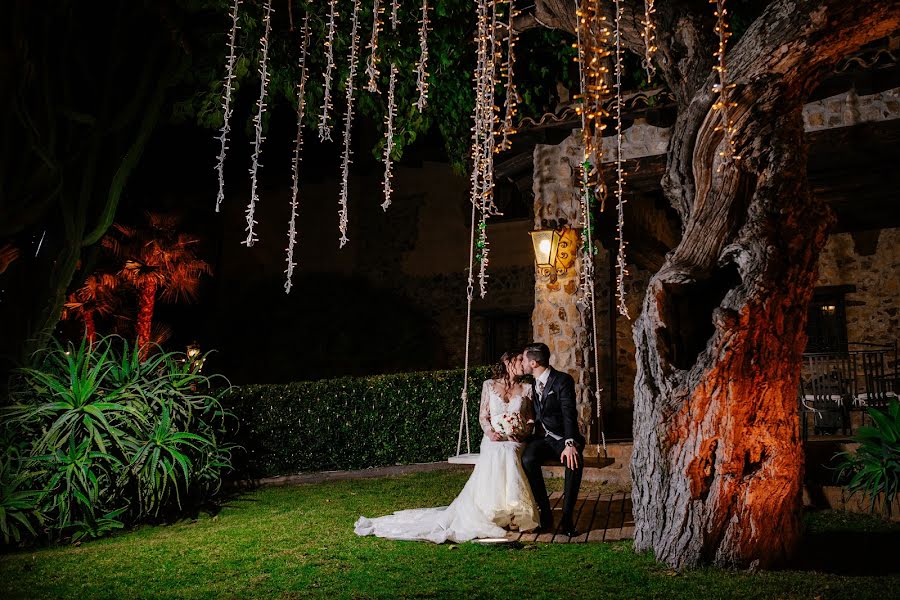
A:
(555, 413)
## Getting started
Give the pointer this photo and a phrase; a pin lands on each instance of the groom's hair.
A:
(539, 353)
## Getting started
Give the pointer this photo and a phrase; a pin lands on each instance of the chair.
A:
(827, 383)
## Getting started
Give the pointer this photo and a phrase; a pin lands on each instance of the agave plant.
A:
(74, 400)
(20, 513)
(874, 468)
(108, 437)
(78, 480)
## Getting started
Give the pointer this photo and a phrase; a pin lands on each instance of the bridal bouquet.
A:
(513, 425)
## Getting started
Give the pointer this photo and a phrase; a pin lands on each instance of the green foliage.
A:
(544, 58)
(104, 439)
(353, 423)
(874, 468)
(284, 541)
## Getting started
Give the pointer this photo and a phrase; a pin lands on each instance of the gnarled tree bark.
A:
(717, 463)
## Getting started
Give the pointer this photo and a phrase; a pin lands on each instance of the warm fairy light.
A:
(389, 118)
(348, 124)
(592, 36)
(649, 35)
(723, 104)
(395, 6)
(324, 124)
(592, 39)
(372, 63)
(389, 138)
(422, 65)
(622, 270)
(485, 118)
(226, 103)
(258, 124)
(512, 96)
(298, 147)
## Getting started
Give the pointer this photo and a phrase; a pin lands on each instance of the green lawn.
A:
(298, 542)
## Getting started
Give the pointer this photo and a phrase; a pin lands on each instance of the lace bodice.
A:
(494, 407)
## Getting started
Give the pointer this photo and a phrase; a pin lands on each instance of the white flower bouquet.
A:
(512, 425)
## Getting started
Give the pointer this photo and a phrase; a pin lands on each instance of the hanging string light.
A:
(395, 6)
(258, 123)
(622, 270)
(298, 148)
(649, 35)
(485, 121)
(389, 117)
(389, 138)
(226, 102)
(348, 124)
(372, 62)
(723, 104)
(324, 124)
(512, 96)
(422, 65)
(592, 39)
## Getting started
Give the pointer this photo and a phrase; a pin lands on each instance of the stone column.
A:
(556, 320)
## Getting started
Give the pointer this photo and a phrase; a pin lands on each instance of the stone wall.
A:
(557, 320)
(870, 261)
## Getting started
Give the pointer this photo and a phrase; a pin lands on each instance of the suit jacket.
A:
(555, 409)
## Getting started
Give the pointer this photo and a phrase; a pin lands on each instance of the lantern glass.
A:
(546, 244)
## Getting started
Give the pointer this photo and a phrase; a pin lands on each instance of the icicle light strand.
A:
(485, 121)
(298, 149)
(348, 125)
(372, 62)
(389, 118)
(389, 138)
(422, 65)
(258, 123)
(723, 104)
(592, 41)
(324, 123)
(622, 270)
(512, 96)
(649, 35)
(226, 102)
(395, 7)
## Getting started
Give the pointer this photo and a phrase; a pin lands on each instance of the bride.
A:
(497, 495)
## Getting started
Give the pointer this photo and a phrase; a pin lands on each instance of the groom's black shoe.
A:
(567, 528)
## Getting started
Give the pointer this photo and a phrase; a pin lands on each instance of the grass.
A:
(297, 542)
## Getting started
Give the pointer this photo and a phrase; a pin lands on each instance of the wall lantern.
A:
(554, 250)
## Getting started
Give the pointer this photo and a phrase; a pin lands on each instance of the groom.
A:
(556, 435)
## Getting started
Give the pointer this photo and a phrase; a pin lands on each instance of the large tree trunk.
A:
(717, 463)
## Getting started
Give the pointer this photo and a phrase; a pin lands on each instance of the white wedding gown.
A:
(497, 495)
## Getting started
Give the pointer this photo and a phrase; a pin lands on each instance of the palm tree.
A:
(97, 297)
(158, 259)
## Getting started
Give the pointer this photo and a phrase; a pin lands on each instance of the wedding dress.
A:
(496, 496)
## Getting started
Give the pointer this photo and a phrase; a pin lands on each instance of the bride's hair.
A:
(500, 372)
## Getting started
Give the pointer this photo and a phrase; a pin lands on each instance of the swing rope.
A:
(470, 292)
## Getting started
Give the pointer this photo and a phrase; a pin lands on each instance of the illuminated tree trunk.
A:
(146, 304)
(717, 463)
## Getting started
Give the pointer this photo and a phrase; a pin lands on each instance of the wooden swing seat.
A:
(590, 462)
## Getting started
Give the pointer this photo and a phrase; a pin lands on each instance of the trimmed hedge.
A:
(352, 422)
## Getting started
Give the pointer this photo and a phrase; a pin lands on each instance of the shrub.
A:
(353, 422)
(874, 468)
(106, 439)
